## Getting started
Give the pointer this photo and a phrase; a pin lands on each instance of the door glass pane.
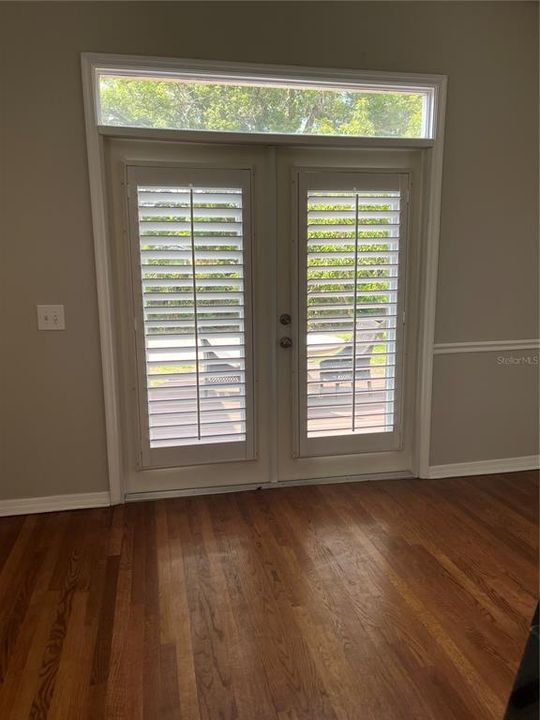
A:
(352, 264)
(193, 297)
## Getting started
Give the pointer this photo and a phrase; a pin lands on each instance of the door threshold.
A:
(218, 490)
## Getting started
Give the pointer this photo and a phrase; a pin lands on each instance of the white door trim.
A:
(100, 221)
(98, 200)
(432, 195)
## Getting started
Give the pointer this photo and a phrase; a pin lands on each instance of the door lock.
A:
(285, 342)
(285, 319)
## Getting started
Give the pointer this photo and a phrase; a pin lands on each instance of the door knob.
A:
(285, 342)
(285, 319)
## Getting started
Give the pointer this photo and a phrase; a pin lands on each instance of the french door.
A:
(264, 313)
(346, 373)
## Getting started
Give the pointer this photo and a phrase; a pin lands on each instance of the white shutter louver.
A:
(352, 264)
(192, 265)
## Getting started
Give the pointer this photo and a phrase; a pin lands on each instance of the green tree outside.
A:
(244, 108)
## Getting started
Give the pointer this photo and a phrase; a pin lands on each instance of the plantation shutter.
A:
(192, 265)
(352, 264)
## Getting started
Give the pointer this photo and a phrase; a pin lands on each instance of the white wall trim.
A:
(485, 467)
(430, 232)
(485, 346)
(432, 196)
(196, 68)
(81, 501)
(219, 490)
(98, 198)
(53, 503)
(232, 138)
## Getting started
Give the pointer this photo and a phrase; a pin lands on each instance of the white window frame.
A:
(91, 63)
(271, 76)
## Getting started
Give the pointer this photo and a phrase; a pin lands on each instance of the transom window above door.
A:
(220, 99)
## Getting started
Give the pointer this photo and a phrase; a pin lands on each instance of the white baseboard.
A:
(53, 503)
(485, 467)
(79, 501)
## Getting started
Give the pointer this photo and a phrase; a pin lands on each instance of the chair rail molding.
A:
(485, 346)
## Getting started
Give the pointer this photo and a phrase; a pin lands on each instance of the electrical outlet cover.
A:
(50, 317)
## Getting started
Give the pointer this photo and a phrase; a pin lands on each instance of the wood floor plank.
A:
(333, 621)
(47, 537)
(10, 527)
(305, 691)
(249, 680)
(395, 600)
(119, 677)
(249, 600)
(211, 635)
(178, 627)
(475, 557)
(66, 587)
(419, 629)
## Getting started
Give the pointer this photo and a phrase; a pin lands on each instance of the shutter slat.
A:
(150, 226)
(171, 409)
(179, 342)
(176, 268)
(171, 196)
(208, 440)
(235, 255)
(333, 294)
(344, 390)
(201, 282)
(346, 227)
(349, 199)
(162, 326)
(351, 214)
(185, 295)
(182, 242)
(230, 310)
(147, 212)
(179, 382)
(364, 240)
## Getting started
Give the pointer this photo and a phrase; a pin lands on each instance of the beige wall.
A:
(51, 416)
(485, 406)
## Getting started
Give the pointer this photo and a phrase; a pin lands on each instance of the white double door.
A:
(265, 312)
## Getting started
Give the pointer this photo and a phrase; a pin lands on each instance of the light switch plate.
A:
(50, 317)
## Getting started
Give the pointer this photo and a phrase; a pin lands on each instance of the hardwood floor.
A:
(403, 599)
